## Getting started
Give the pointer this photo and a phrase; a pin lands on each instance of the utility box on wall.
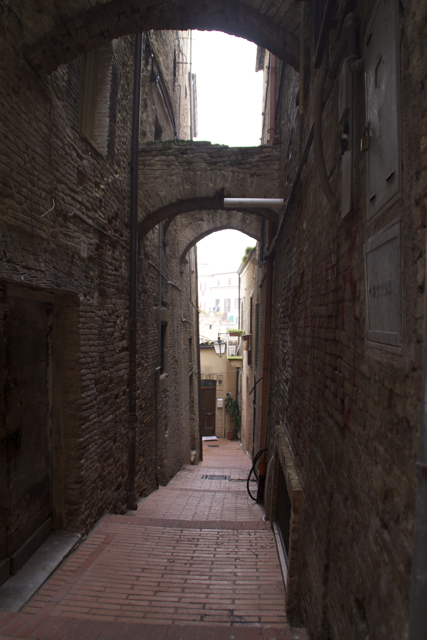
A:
(382, 80)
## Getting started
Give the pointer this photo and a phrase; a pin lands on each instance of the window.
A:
(218, 282)
(216, 307)
(229, 280)
(236, 303)
(227, 305)
(95, 95)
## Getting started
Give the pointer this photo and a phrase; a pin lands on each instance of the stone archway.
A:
(195, 226)
(178, 179)
(54, 33)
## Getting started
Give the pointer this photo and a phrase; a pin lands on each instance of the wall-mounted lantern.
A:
(219, 346)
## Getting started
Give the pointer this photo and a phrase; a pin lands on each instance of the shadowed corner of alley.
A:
(196, 561)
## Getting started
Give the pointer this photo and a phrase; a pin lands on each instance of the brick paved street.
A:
(196, 560)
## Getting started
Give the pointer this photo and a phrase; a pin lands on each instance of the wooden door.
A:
(25, 433)
(208, 411)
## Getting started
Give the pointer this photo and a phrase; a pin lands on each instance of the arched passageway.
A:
(55, 33)
(195, 226)
(177, 180)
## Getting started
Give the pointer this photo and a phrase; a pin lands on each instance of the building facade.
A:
(219, 293)
(340, 282)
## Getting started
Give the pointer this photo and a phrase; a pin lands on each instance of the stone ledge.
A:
(283, 459)
(292, 482)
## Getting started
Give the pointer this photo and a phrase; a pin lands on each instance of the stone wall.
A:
(200, 175)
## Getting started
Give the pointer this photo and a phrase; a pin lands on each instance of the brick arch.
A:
(57, 32)
(196, 226)
(177, 179)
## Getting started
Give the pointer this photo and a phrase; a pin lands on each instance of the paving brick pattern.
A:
(193, 561)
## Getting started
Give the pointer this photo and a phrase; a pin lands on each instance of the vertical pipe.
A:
(273, 95)
(418, 599)
(254, 418)
(199, 373)
(159, 356)
(133, 271)
(302, 59)
(268, 304)
(301, 75)
(266, 363)
(239, 326)
(191, 88)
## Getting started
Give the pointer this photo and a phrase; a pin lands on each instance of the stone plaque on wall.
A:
(383, 279)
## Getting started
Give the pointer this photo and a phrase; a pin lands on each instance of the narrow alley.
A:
(195, 561)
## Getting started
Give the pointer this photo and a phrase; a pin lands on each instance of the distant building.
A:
(219, 293)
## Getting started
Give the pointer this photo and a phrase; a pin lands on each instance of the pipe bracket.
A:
(422, 470)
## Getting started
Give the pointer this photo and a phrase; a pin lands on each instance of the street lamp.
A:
(219, 346)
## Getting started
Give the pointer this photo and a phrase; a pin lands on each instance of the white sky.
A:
(229, 92)
(229, 97)
(223, 250)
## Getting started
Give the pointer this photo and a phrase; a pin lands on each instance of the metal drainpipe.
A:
(266, 364)
(133, 271)
(273, 95)
(418, 600)
(239, 326)
(191, 88)
(159, 357)
(199, 373)
(268, 301)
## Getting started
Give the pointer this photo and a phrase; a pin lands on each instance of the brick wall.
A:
(77, 255)
(349, 412)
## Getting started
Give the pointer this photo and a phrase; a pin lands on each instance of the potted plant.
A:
(232, 409)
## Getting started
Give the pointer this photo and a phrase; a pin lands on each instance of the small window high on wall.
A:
(95, 95)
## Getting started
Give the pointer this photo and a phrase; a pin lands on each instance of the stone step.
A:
(45, 627)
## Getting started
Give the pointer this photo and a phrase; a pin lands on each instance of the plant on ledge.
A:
(232, 409)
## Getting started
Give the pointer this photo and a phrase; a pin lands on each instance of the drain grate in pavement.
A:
(205, 477)
(213, 445)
